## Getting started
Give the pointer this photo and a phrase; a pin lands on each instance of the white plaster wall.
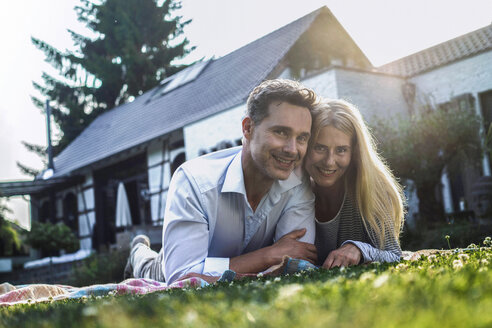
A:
(160, 175)
(324, 84)
(471, 75)
(210, 131)
(59, 207)
(86, 208)
(89, 200)
(86, 226)
(373, 94)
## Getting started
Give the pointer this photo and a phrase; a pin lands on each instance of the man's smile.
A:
(284, 161)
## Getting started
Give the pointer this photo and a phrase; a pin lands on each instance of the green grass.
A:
(452, 290)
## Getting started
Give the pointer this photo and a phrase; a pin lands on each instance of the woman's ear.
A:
(248, 127)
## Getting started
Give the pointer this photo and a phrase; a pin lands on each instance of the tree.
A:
(133, 49)
(422, 146)
(9, 238)
(50, 238)
(488, 140)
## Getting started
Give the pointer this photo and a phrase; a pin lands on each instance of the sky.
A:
(385, 30)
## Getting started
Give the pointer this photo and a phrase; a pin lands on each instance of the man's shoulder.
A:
(208, 171)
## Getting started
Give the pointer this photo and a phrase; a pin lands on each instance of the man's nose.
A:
(290, 146)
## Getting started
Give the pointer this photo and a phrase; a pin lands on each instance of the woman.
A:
(359, 204)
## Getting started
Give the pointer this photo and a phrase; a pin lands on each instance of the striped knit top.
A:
(347, 227)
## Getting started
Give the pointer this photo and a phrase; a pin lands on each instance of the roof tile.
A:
(442, 54)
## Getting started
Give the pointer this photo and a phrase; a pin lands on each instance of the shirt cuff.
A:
(215, 266)
(363, 247)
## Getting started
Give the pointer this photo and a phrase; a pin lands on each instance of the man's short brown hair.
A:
(268, 91)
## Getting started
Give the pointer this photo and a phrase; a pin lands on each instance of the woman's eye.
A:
(342, 150)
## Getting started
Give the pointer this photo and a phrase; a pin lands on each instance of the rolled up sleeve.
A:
(186, 233)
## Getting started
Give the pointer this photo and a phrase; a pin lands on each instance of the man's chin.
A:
(281, 174)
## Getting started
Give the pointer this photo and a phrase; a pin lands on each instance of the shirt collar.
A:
(234, 179)
(289, 183)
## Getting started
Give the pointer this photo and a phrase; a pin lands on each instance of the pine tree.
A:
(133, 49)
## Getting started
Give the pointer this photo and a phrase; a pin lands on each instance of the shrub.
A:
(51, 238)
(100, 268)
(461, 234)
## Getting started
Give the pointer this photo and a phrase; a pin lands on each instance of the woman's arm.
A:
(370, 253)
(353, 252)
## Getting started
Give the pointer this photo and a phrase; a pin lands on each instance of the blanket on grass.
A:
(35, 293)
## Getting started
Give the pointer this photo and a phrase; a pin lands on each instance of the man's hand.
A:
(347, 255)
(290, 246)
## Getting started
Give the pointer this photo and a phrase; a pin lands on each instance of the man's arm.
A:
(294, 235)
(186, 238)
(266, 257)
(298, 214)
(186, 233)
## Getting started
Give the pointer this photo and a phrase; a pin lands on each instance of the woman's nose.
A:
(329, 159)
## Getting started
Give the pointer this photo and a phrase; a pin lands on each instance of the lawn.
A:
(448, 290)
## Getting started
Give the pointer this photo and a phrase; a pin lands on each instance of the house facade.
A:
(199, 110)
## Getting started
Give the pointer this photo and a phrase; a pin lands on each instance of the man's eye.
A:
(281, 133)
(302, 139)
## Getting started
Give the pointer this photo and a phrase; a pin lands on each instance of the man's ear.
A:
(248, 127)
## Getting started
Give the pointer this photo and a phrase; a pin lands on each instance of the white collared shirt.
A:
(208, 218)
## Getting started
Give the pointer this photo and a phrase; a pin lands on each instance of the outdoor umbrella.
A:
(123, 216)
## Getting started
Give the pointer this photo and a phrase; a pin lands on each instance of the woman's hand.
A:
(347, 255)
(290, 246)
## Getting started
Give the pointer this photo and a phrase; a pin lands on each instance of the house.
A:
(199, 110)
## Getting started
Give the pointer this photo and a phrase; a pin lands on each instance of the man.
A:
(224, 210)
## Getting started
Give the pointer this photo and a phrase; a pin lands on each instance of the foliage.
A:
(133, 49)
(422, 146)
(9, 238)
(488, 140)
(449, 290)
(41, 152)
(100, 268)
(49, 237)
(462, 233)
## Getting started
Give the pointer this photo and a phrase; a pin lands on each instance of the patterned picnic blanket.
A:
(35, 293)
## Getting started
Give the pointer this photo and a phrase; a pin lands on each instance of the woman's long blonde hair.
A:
(379, 196)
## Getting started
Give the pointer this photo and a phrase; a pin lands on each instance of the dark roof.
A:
(224, 83)
(19, 188)
(445, 53)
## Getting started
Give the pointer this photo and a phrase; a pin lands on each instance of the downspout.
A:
(48, 134)
(51, 166)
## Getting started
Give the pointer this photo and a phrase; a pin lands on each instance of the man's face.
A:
(279, 142)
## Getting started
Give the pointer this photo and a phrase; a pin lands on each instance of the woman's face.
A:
(329, 157)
